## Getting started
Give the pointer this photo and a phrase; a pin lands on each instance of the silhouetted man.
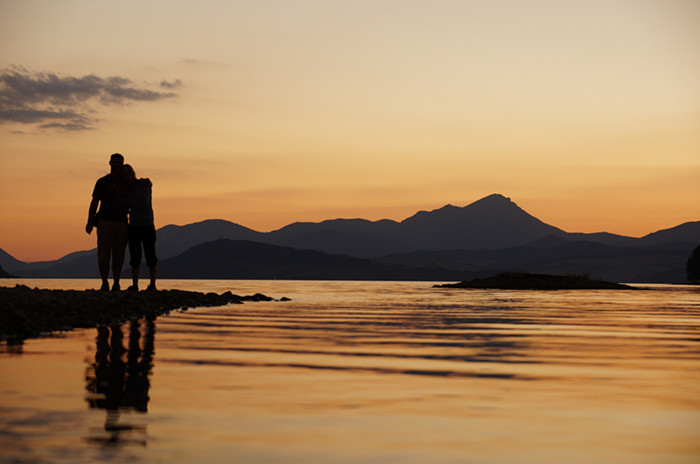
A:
(110, 194)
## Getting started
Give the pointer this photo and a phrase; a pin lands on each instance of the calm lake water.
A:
(366, 372)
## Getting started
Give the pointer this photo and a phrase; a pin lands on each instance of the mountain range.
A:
(451, 243)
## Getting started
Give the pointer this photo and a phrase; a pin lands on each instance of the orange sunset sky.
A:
(585, 113)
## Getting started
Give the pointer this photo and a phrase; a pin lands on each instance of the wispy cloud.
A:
(177, 83)
(194, 62)
(68, 102)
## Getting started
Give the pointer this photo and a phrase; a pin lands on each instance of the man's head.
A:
(116, 161)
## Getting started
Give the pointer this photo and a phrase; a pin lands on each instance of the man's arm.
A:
(91, 214)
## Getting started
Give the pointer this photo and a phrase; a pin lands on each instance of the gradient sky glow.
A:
(585, 113)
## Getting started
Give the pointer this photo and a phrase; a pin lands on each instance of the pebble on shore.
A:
(27, 312)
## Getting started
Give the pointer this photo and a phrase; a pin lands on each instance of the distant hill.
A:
(492, 234)
(7, 261)
(4, 273)
(663, 263)
(238, 259)
(173, 240)
(67, 264)
(353, 237)
(492, 222)
(688, 232)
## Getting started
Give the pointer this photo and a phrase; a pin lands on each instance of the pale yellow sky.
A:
(585, 113)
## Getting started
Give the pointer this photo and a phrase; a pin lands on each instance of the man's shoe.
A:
(133, 288)
(104, 287)
(152, 288)
(115, 287)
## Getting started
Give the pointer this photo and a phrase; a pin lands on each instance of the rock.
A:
(26, 312)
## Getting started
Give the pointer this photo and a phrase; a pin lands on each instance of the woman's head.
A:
(128, 172)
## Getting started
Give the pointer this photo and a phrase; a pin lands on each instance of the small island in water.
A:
(527, 281)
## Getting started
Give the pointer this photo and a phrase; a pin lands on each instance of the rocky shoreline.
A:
(27, 312)
(527, 281)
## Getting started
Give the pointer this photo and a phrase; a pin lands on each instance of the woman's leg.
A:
(149, 249)
(135, 253)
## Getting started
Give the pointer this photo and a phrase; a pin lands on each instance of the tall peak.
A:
(495, 200)
(495, 197)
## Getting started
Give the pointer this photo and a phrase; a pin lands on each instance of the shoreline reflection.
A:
(118, 381)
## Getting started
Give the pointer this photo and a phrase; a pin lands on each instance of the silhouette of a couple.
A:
(125, 215)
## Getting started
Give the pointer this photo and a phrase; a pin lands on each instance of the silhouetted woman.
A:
(142, 231)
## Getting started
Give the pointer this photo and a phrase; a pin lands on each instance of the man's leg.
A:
(120, 239)
(104, 246)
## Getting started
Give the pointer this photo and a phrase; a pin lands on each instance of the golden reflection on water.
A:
(118, 381)
(381, 372)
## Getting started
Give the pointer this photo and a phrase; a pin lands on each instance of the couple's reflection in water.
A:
(118, 381)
